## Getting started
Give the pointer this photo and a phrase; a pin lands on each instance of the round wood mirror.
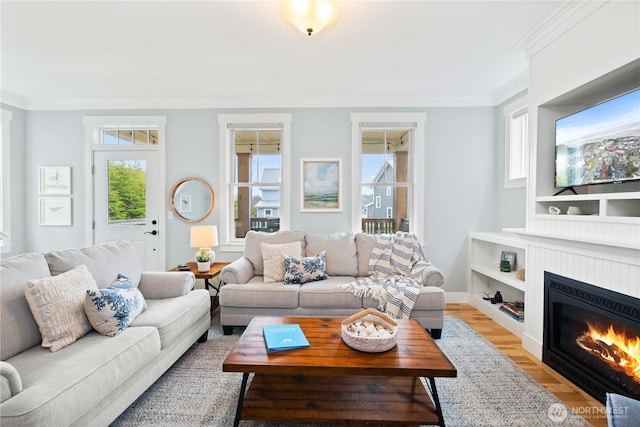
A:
(192, 199)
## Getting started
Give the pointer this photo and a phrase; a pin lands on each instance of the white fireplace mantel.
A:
(602, 265)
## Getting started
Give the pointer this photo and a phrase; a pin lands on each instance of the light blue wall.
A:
(512, 202)
(460, 178)
(460, 172)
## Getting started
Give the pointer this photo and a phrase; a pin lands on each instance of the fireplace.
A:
(592, 336)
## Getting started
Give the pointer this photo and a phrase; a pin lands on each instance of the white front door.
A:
(126, 201)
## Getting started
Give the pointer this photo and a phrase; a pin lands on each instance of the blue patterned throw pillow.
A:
(303, 270)
(111, 310)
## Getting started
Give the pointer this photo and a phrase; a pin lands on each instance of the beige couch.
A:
(245, 293)
(93, 380)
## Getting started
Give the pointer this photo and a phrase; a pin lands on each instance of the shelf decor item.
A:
(203, 261)
(507, 261)
(370, 331)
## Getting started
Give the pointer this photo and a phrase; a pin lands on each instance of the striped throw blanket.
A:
(395, 270)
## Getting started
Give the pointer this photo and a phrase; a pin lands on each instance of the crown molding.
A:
(566, 17)
(513, 87)
(300, 101)
(12, 99)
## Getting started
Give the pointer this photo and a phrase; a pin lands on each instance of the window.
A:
(128, 136)
(388, 152)
(254, 175)
(516, 137)
(5, 183)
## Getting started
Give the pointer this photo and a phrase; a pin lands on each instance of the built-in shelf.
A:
(485, 277)
(616, 206)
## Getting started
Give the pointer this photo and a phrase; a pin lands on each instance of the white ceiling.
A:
(179, 54)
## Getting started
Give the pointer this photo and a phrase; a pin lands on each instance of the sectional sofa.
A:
(94, 379)
(245, 293)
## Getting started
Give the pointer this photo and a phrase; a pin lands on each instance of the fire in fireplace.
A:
(619, 351)
(592, 336)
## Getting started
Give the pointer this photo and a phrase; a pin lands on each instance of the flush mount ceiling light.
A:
(310, 16)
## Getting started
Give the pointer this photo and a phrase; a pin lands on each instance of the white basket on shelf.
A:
(355, 337)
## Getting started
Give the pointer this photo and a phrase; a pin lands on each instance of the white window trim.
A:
(93, 125)
(5, 182)
(228, 242)
(418, 202)
(513, 109)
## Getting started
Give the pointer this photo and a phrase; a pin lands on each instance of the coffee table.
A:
(331, 382)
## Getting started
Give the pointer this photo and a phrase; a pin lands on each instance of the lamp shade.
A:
(204, 236)
(310, 16)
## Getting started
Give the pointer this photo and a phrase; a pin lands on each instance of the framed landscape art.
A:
(321, 185)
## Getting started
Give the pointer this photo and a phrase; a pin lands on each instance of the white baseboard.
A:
(456, 297)
(532, 345)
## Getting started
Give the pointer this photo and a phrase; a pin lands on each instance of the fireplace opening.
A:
(592, 336)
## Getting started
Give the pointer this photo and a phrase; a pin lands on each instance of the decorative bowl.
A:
(370, 331)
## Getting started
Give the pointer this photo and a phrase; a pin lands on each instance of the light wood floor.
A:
(572, 396)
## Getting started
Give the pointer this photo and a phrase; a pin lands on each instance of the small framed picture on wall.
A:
(55, 180)
(55, 211)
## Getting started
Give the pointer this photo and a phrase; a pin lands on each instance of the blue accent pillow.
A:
(111, 310)
(303, 270)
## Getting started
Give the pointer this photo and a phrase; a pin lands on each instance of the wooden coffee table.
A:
(331, 382)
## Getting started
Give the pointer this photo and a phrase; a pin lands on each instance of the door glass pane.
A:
(127, 192)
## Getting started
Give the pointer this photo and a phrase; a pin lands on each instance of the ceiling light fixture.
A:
(310, 16)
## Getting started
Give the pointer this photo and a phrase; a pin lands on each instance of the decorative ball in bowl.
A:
(370, 331)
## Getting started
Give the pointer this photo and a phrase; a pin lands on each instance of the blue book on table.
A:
(284, 337)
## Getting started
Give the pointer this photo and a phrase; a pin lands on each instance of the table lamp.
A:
(203, 237)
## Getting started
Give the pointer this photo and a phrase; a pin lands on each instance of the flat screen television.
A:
(600, 144)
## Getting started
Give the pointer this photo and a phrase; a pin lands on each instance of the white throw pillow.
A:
(273, 258)
(57, 304)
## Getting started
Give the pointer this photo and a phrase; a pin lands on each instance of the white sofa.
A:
(245, 294)
(93, 380)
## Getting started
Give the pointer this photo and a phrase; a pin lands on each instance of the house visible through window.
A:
(516, 118)
(254, 150)
(386, 157)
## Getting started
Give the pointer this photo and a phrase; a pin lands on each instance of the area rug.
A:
(490, 390)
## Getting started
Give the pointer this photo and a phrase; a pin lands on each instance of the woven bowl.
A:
(370, 344)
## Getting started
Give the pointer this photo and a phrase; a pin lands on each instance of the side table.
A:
(214, 271)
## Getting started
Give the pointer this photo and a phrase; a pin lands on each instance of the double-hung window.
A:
(388, 150)
(254, 174)
(516, 135)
